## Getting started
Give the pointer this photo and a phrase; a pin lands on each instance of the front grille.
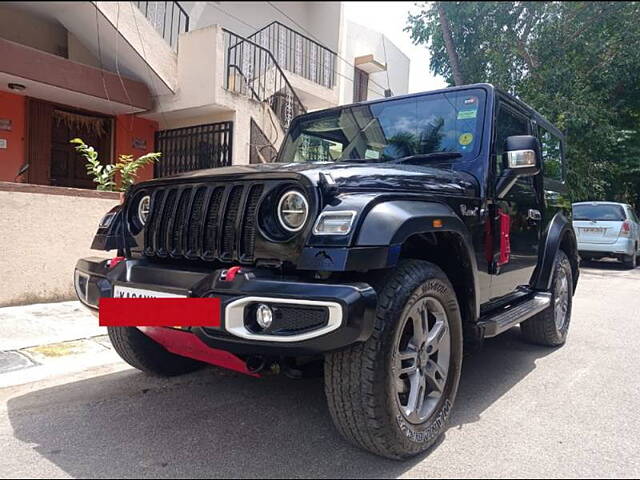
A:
(207, 222)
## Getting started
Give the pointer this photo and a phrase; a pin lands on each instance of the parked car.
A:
(607, 229)
(387, 233)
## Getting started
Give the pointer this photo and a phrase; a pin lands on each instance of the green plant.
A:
(105, 175)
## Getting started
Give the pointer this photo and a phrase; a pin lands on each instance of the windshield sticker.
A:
(371, 154)
(465, 139)
(471, 100)
(467, 114)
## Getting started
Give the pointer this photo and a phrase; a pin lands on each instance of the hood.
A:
(349, 177)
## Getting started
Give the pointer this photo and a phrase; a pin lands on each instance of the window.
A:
(360, 85)
(508, 123)
(600, 212)
(391, 129)
(551, 154)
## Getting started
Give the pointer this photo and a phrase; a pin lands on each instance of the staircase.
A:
(253, 71)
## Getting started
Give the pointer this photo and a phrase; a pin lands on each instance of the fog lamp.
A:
(264, 316)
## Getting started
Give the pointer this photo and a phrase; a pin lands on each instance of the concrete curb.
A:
(45, 324)
(41, 362)
(13, 360)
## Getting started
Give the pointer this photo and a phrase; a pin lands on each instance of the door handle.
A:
(535, 215)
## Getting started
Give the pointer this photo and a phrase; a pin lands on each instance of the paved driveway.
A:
(522, 411)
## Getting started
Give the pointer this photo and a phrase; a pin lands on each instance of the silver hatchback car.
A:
(607, 229)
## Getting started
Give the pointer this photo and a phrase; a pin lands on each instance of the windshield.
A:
(604, 212)
(390, 130)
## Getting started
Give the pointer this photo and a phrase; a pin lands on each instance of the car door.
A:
(518, 214)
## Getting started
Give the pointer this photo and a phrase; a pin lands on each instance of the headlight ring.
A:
(293, 211)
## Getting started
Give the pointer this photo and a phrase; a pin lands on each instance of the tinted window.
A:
(599, 212)
(508, 123)
(551, 154)
(382, 131)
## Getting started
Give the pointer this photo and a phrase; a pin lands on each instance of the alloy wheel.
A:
(561, 305)
(422, 356)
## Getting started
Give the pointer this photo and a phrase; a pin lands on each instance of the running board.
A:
(497, 323)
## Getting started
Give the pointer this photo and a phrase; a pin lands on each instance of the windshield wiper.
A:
(428, 156)
(408, 158)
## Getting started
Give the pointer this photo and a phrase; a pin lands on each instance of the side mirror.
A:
(521, 158)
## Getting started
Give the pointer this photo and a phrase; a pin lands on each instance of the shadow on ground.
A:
(604, 265)
(217, 424)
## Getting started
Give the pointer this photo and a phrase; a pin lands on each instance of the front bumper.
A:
(622, 246)
(351, 306)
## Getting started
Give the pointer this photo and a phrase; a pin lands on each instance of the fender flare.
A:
(110, 236)
(393, 222)
(552, 238)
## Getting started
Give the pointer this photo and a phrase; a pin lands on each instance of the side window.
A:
(508, 123)
(551, 154)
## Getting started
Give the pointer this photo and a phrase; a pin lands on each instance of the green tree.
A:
(577, 63)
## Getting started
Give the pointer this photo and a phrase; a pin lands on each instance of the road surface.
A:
(522, 411)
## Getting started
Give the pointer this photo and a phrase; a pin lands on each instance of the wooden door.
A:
(67, 166)
(52, 159)
(39, 121)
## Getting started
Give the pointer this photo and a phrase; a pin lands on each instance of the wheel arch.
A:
(409, 226)
(559, 235)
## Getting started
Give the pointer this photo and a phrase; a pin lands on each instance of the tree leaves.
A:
(577, 63)
(104, 175)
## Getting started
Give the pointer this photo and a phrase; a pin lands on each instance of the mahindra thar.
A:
(387, 235)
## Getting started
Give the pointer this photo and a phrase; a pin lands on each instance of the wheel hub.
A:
(423, 351)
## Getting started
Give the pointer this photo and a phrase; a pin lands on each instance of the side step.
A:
(495, 324)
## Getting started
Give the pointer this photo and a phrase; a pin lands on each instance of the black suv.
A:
(388, 234)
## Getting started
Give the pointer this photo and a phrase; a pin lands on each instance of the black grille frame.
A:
(210, 222)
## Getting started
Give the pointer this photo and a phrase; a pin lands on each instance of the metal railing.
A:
(298, 53)
(194, 148)
(252, 70)
(168, 18)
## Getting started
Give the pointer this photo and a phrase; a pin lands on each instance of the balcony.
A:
(168, 18)
(298, 53)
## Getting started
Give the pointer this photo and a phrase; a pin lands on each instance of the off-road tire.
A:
(141, 352)
(362, 401)
(542, 328)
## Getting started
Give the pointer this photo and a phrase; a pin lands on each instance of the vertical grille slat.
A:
(176, 235)
(211, 225)
(213, 221)
(248, 239)
(154, 215)
(194, 231)
(229, 224)
(166, 214)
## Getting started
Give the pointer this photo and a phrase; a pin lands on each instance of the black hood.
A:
(377, 177)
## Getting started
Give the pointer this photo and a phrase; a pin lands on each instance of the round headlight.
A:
(293, 210)
(143, 209)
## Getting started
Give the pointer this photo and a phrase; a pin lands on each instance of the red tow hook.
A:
(115, 261)
(230, 274)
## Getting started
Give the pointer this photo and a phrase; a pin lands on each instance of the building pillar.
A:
(135, 136)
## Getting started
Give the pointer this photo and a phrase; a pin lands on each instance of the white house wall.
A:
(359, 41)
(318, 20)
